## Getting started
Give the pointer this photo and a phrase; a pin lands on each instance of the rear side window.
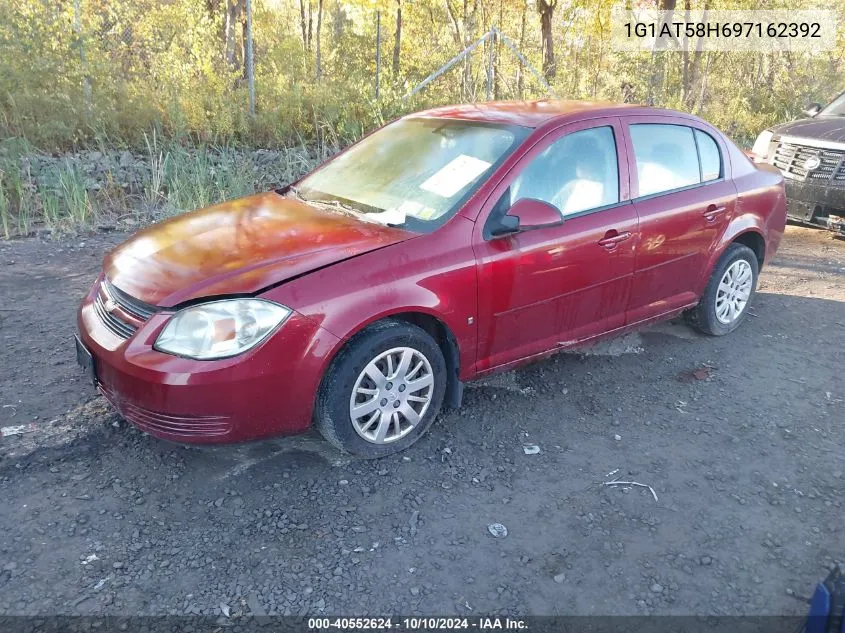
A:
(708, 152)
(666, 157)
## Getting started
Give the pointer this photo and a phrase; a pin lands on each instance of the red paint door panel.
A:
(677, 229)
(546, 288)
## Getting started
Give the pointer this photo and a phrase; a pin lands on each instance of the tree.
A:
(546, 8)
(397, 38)
(318, 65)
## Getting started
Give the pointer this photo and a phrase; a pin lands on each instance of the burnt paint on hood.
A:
(821, 128)
(238, 247)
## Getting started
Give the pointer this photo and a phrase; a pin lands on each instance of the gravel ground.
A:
(740, 437)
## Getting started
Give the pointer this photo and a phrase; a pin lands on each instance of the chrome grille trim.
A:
(117, 326)
(128, 303)
(790, 159)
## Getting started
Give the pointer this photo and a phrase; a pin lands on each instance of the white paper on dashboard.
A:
(455, 175)
(391, 216)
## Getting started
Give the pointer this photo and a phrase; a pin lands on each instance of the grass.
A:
(172, 178)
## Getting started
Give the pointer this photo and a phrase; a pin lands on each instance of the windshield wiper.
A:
(337, 204)
(298, 194)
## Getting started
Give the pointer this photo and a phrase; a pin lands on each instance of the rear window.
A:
(666, 157)
(708, 152)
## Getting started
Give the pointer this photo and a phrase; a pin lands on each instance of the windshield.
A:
(414, 173)
(836, 107)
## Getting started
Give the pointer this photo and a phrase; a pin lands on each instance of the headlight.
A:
(218, 329)
(761, 145)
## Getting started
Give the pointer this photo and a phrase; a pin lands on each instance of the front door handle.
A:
(612, 239)
(713, 212)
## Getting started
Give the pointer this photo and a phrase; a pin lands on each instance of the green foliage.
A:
(168, 80)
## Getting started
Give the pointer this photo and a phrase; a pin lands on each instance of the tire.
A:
(708, 316)
(333, 411)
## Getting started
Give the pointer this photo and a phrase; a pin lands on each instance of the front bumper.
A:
(816, 204)
(264, 392)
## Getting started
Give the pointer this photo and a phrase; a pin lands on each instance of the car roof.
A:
(536, 113)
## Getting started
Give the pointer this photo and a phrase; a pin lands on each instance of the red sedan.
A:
(447, 245)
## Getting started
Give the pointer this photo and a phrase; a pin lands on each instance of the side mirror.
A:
(527, 214)
(535, 214)
(813, 109)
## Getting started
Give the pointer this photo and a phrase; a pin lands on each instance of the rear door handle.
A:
(612, 238)
(713, 212)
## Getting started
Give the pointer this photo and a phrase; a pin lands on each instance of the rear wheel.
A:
(725, 301)
(383, 390)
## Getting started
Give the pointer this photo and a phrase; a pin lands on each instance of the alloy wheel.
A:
(734, 291)
(391, 395)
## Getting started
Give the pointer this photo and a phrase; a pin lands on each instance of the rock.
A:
(559, 578)
(705, 560)
(497, 530)
(657, 588)
(415, 591)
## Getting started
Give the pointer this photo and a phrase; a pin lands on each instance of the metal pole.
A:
(250, 61)
(490, 43)
(447, 66)
(378, 54)
(516, 51)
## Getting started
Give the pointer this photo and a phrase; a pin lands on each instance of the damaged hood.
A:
(238, 247)
(820, 128)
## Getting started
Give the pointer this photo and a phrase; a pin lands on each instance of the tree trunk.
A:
(319, 69)
(456, 35)
(546, 9)
(230, 34)
(310, 24)
(397, 39)
(655, 83)
(468, 59)
(497, 55)
(520, 77)
(303, 23)
(244, 37)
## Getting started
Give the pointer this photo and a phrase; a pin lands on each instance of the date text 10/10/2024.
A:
(418, 624)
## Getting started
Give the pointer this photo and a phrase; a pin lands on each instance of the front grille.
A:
(184, 426)
(116, 325)
(790, 159)
(133, 306)
(110, 298)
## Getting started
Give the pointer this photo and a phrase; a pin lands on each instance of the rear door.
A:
(684, 200)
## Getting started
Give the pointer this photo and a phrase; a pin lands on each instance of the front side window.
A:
(666, 157)
(575, 173)
(414, 173)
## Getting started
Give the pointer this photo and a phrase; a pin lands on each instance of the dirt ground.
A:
(740, 437)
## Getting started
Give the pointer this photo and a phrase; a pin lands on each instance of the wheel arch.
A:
(756, 242)
(434, 326)
(744, 230)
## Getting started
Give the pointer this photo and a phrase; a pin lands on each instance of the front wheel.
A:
(725, 301)
(383, 390)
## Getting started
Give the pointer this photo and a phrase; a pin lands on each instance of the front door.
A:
(684, 202)
(548, 288)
